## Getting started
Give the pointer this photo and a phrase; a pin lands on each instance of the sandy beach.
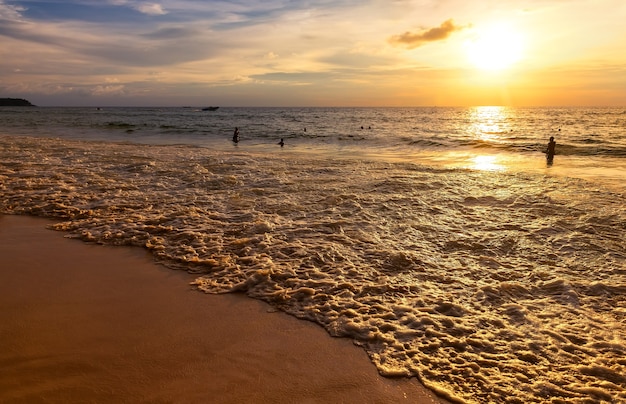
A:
(88, 323)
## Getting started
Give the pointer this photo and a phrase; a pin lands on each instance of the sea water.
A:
(438, 239)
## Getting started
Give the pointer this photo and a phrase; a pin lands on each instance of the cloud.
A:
(150, 9)
(107, 89)
(413, 40)
(9, 12)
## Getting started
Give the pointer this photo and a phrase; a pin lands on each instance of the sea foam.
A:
(488, 286)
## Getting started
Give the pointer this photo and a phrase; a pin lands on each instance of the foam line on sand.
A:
(89, 323)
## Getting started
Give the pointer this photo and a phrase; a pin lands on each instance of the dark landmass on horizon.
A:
(15, 102)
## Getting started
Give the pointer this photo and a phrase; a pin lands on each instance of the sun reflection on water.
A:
(488, 124)
(486, 163)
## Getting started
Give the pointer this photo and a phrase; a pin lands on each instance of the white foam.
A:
(489, 286)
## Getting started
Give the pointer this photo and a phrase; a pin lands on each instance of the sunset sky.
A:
(314, 53)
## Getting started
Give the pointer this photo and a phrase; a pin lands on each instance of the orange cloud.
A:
(413, 40)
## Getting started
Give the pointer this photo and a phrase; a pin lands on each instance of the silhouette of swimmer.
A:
(236, 135)
(550, 151)
(281, 143)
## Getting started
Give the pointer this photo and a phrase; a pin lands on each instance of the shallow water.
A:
(591, 142)
(494, 279)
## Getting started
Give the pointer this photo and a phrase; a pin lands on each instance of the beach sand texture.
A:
(89, 323)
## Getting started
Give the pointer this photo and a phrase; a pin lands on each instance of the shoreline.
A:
(604, 171)
(91, 323)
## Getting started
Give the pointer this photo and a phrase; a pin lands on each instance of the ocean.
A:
(438, 239)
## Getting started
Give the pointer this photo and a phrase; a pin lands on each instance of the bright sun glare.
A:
(495, 48)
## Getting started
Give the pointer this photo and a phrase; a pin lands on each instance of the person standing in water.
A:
(550, 151)
(236, 135)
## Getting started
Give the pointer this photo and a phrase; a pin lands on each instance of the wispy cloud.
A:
(10, 12)
(323, 48)
(150, 9)
(416, 39)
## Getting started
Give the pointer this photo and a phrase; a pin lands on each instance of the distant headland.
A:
(15, 102)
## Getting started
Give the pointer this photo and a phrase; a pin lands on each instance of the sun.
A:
(495, 47)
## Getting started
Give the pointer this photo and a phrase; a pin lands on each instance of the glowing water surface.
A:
(492, 277)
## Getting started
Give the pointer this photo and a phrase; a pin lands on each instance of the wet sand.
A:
(87, 323)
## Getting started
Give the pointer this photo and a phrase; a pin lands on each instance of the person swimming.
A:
(551, 150)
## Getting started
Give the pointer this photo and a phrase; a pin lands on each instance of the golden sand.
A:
(87, 323)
